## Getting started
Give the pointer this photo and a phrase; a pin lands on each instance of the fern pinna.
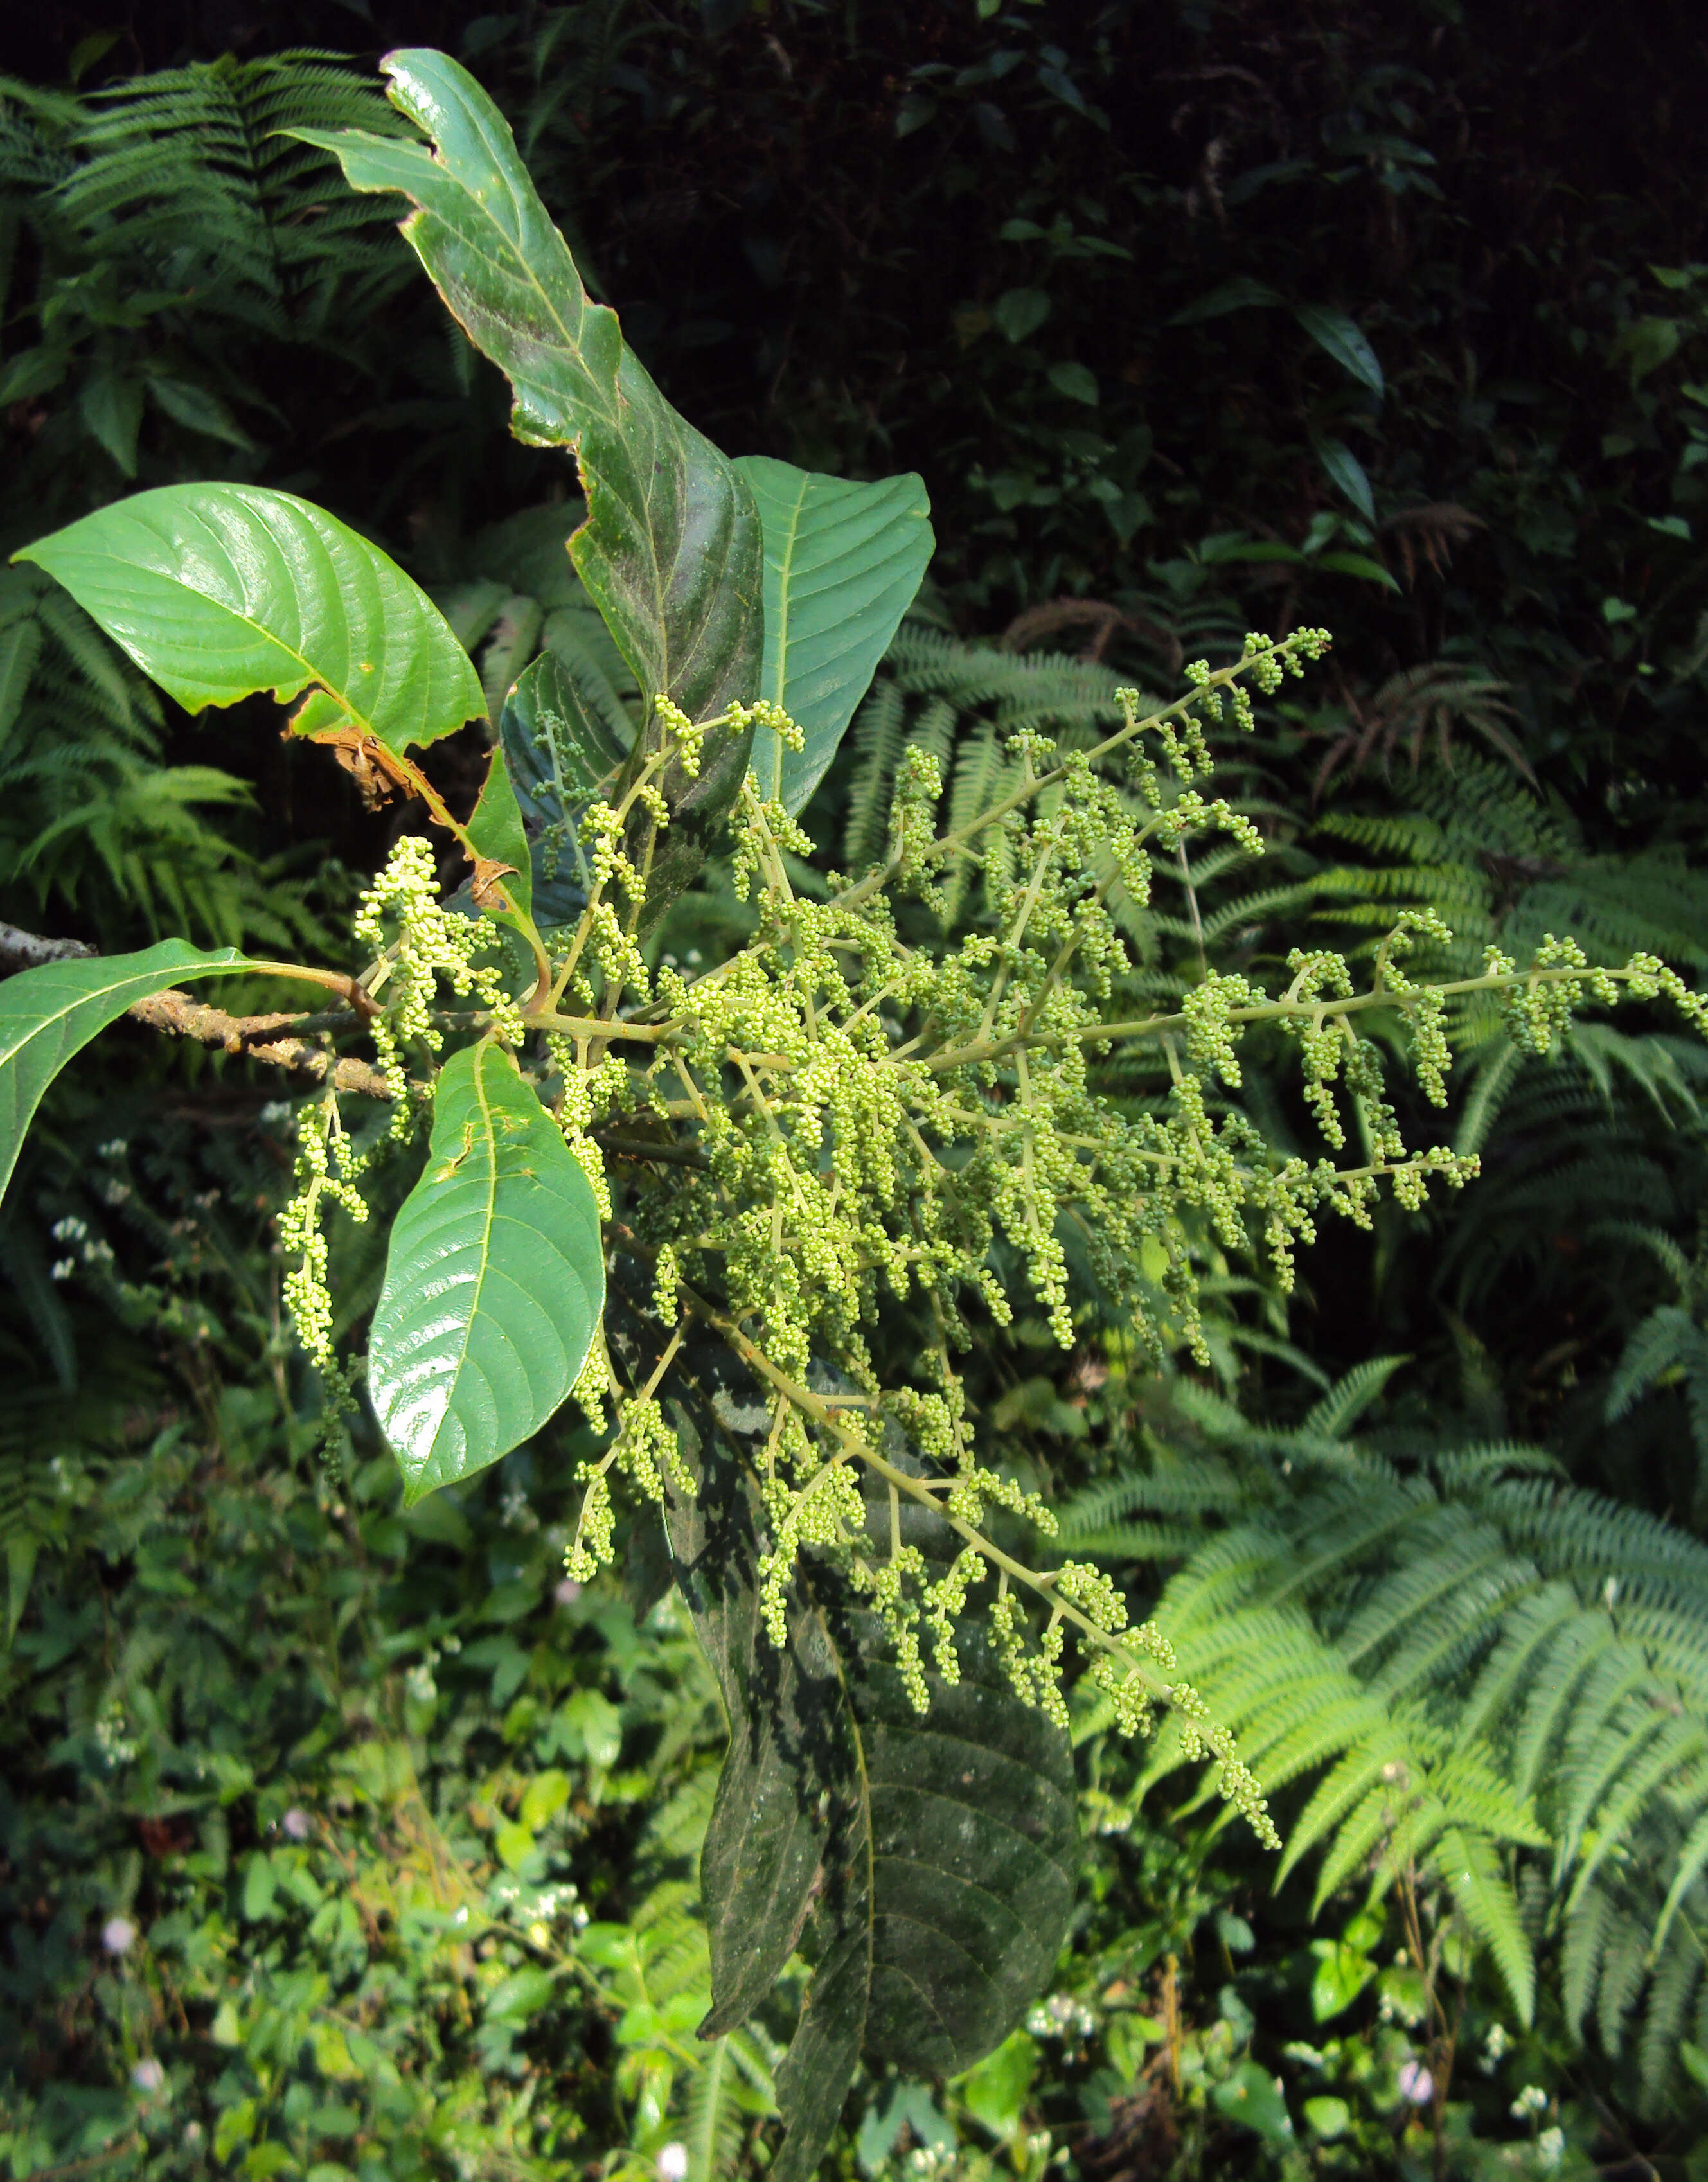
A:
(1463, 1668)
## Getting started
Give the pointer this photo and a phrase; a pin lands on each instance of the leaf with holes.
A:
(219, 591)
(495, 1280)
(926, 1863)
(842, 564)
(50, 1012)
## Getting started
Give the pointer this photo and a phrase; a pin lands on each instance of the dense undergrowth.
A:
(337, 1842)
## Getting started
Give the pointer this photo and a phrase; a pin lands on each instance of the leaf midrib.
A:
(786, 569)
(37, 1025)
(311, 673)
(489, 1221)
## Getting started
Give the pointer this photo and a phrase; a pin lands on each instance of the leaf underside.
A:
(49, 1013)
(926, 1863)
(561, 752)
(495, 1280)
(843, 561)
(219, 591)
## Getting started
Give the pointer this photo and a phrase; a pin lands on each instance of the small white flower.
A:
(63, 1269)
(118, 1936)
(1417, 2085)
(296, 1826)
(1532, 2099)
(114, 1148)
(1550, 2149)
(149, 2076)
(672, 2162)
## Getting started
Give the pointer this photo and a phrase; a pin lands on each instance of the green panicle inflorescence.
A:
(845, 1118)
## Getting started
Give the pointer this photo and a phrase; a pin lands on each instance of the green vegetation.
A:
(886, 1098)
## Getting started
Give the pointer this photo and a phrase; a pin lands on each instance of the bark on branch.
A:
(257, 1036)
(186, 1018)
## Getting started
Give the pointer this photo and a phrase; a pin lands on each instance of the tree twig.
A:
(184, 1017)
(178, 1013)
(28, 950)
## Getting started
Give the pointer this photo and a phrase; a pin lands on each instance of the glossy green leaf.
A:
(1336, 334)
(495, 1280)
(670, 550)
(219, 591)
(1329, 2117)
(496, 829)
(935, 1856)
(49, 1013)
(843, 562)
(1342, 1973)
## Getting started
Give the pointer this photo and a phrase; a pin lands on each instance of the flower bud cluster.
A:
(432, 943)
(864, 1121)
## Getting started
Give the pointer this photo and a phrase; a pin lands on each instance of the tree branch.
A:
(184, 1017)
(28, 950)
(178, 1013)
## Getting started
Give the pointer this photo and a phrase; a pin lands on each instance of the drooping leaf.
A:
(670, 550)
(843, 561)
(1349, 473)
(936, 1856)
(111, 405)
(20, 646)
(219, 591)
(495, 1280)
(50, 1012)
(1336, 334)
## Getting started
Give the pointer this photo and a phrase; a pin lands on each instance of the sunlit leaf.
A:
(670, 551)
(843, 561)
(495, 1280)
(218, 591)
(49, 1013)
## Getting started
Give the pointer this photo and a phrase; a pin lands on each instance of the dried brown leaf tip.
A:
(377, 772)
(488, 870)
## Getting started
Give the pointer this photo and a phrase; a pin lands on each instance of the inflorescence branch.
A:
(830, 1118)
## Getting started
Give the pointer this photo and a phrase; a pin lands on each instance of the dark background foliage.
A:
(1194, 318)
